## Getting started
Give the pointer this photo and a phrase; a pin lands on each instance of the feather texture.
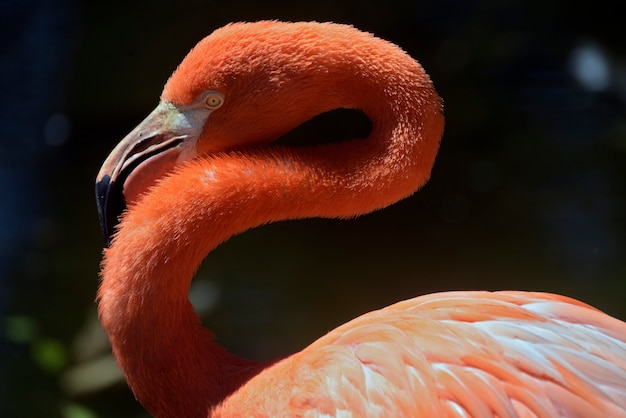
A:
(456, 354)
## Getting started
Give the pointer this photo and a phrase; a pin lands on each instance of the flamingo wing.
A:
(477, 354)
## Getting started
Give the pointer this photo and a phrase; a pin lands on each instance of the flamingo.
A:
(202, 167)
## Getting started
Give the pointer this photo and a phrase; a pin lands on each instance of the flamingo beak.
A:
(167, 137)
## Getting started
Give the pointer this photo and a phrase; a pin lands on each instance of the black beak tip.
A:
(111, 204)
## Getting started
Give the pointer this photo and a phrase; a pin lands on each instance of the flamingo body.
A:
(454, 354)
(202, 168)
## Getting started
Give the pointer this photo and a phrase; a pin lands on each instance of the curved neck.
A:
(170, 361)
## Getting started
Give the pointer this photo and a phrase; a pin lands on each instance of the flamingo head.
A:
(244, 85)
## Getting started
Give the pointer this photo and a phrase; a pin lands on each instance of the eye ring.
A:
(214, 101)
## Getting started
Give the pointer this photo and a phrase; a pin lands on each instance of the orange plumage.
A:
(201, 168)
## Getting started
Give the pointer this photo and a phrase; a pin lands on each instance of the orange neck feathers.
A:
(274, 76)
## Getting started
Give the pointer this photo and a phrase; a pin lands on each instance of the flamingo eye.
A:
(213, 101)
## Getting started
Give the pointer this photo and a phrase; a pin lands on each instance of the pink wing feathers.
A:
(462, 354)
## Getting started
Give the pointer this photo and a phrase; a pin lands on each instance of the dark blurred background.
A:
(528, 191)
